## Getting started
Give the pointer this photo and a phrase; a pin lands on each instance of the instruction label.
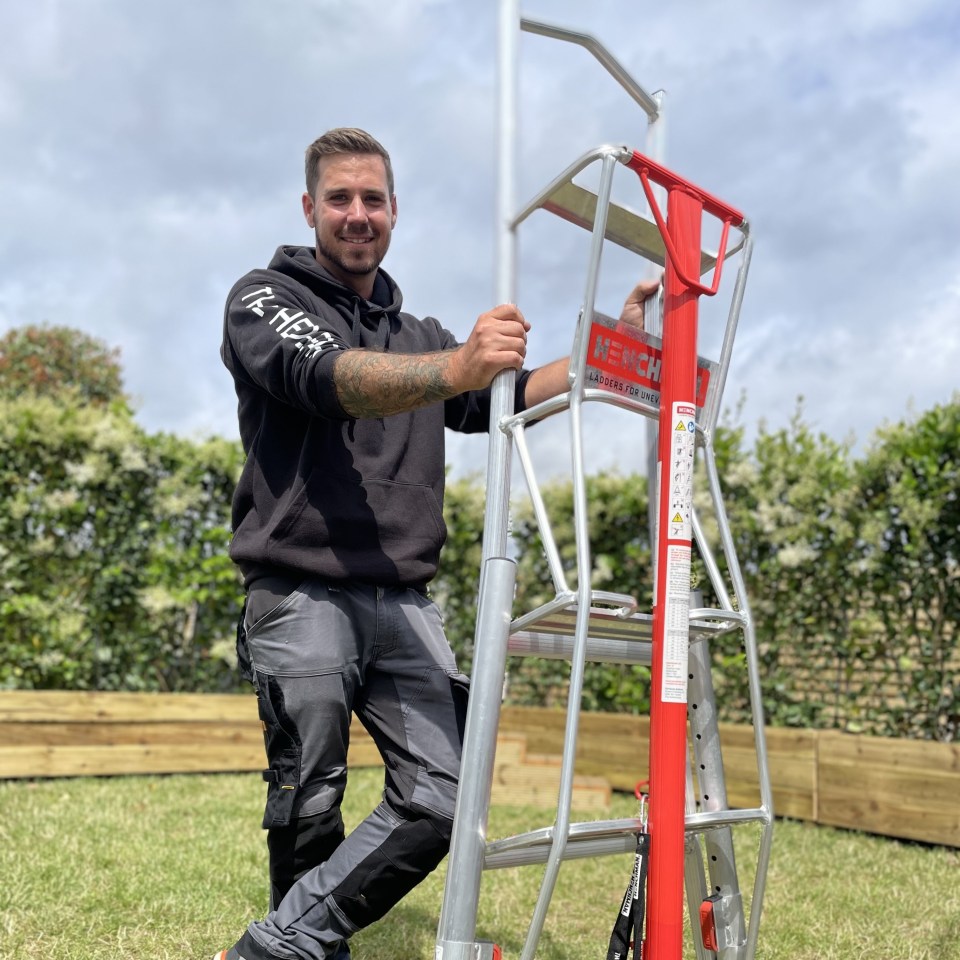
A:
(676, 629)
(676, 632)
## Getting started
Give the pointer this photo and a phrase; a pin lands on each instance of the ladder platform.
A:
(615, 634)
(627, 228)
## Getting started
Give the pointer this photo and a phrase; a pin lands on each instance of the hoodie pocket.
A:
(365, 526)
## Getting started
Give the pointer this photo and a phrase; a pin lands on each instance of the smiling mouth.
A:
(357, 240)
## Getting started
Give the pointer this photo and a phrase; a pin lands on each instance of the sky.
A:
(153, 153)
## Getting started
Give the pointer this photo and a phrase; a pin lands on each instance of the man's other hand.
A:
(632, 312)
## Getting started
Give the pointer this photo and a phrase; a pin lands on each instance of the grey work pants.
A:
(324, 651)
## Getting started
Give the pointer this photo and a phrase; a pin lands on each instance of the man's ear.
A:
(393, 210)
(308, 209)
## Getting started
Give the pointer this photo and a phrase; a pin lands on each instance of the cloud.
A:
(154, 154)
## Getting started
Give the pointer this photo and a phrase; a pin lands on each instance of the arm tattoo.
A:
(374, 384)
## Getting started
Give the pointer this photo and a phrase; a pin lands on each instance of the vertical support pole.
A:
(671, 613)
(496, 516)
(456, 931)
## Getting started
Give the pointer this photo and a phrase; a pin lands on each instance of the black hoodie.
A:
(321, 493)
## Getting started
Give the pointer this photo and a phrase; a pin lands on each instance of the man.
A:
(338, 525)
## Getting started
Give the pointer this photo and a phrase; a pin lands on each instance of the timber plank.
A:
(89, 761)
(792, 759)
(44, 706)
(613, 746)
(528, 784)
(116, 733)
(901, 788)
(239, 751)
(879, 786)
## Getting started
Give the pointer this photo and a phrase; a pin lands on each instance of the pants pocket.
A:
(244, 664)
(284, 753)
(460, 688)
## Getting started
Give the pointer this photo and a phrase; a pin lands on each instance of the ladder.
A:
(691, 827)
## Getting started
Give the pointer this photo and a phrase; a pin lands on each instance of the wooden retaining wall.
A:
(899, 788)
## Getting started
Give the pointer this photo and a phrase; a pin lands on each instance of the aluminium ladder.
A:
(618, 365)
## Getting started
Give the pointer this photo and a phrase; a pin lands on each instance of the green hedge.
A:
(113, 556)
(114, 568)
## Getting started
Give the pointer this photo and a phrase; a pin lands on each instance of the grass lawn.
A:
(173, 868)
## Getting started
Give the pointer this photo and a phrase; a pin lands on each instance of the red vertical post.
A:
(671, 612)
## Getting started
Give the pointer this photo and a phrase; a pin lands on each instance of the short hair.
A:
(343, 141)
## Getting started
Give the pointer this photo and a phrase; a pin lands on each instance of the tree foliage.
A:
(54, 360)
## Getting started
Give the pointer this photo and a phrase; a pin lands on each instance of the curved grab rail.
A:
(648, 170)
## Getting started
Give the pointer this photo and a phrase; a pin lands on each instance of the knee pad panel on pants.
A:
(295, 849)
(411, 851)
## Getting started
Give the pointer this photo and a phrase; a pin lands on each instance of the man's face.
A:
(352, 215)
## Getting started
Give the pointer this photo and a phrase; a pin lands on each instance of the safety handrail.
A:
(648, 169)
(606, 59)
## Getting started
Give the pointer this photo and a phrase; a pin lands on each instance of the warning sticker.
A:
(676, 632)
(682, 443)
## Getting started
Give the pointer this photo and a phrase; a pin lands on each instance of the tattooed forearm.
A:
(373, 384)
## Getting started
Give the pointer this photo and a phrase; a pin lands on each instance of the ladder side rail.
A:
(547, 539)
(621, 151)
(710, 563)
(496, 514)
(695, 885)
(575, 691)
(743, 604)
(712, 411)
(756, 700)
(456, 928)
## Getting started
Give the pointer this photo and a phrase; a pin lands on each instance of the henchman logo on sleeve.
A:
(290, 324)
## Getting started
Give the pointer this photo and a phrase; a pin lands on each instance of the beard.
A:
(356, 261)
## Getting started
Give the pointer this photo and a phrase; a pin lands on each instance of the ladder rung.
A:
(710, 820)
(591, 839)
(601, 838)
(576, 849)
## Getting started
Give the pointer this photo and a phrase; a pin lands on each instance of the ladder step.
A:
(592, 839)
(554, 646)
(619, 635)
(601, 838)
